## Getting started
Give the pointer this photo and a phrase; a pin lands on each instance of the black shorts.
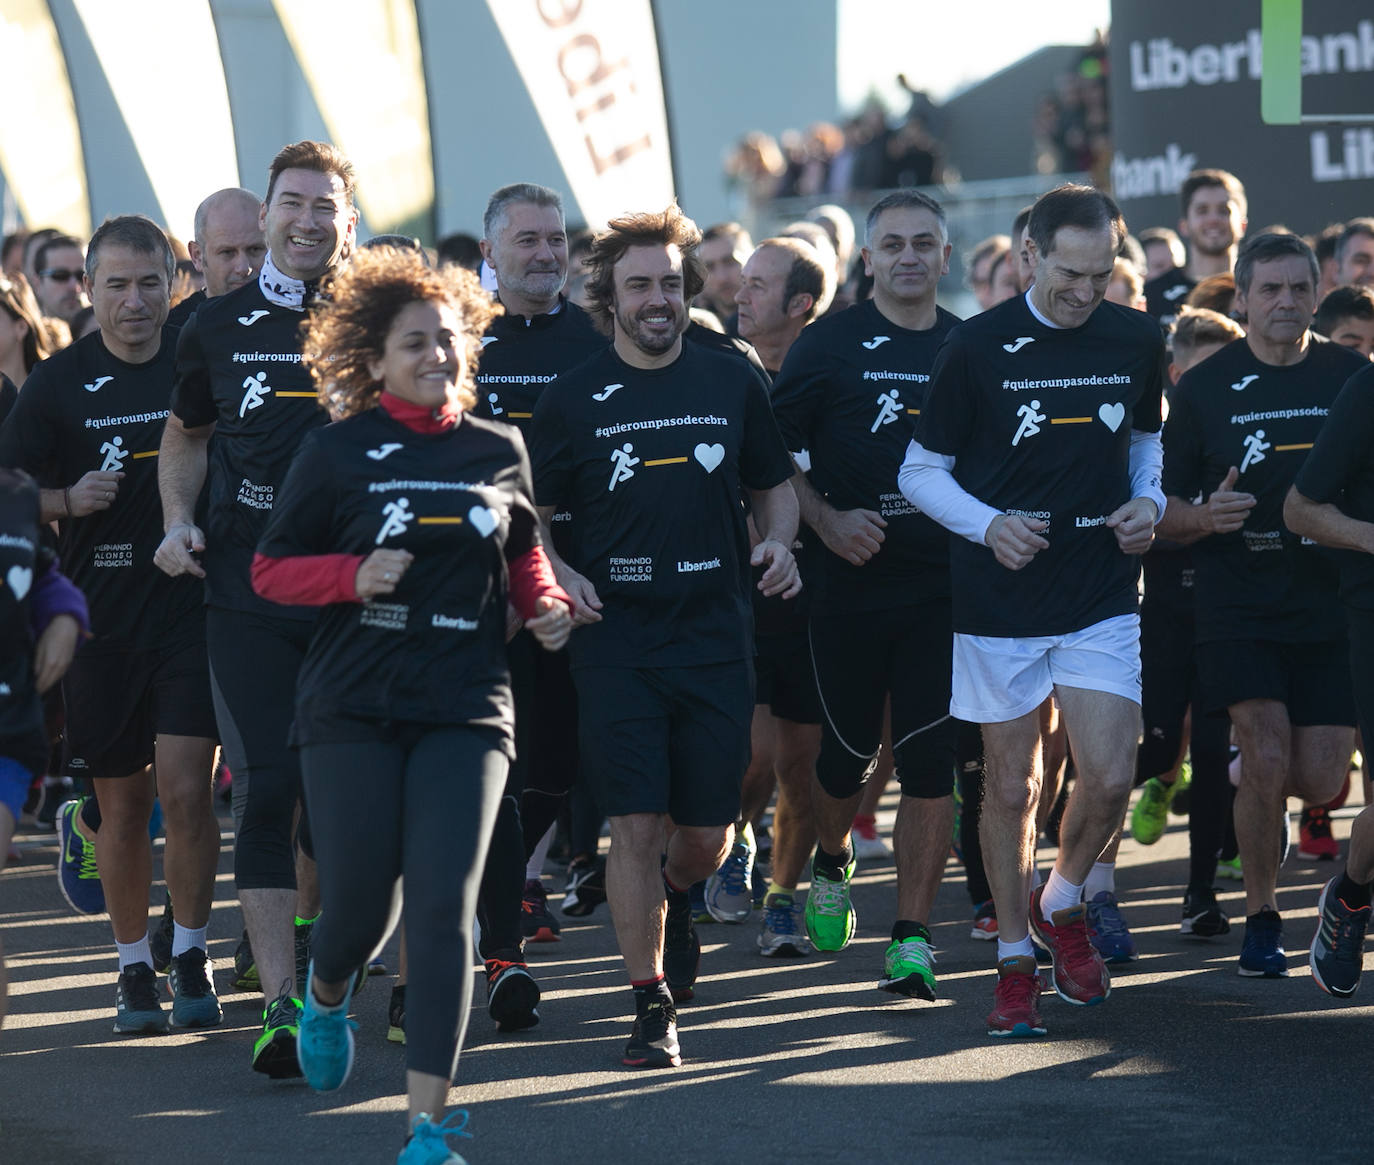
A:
(1361, 625)
(1311, 680)
(119, 703)
(671, 740)
(783, 678)
(861, 662)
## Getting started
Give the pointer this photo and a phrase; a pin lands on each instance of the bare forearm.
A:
(775, 513)
(1326, 525)
(53, 505)
(812, 509)
(181, 469)
(1183, 522)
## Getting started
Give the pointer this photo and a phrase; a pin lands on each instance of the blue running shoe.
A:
(729, 895)
(1108, 930)
(155, 820)
(428, 1144)
(191, 978)
(1262, 956)
(76, 869)
(324, 1045)
(137, 1009)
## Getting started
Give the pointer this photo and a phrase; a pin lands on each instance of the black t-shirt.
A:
(848, 396)
(1232, 409)
(434, 650)
(238, 367)
(521, 355)
(22, 563)
(1164, 294)
(652, 462)
(1340, 471)
(1039, 421)
(1169, 577)
(85, 409)
(8, 395)
(183, 311)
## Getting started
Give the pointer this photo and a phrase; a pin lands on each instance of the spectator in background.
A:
(1163, 250)
(978, 267)
(1355, 253)
(840, 227)
(60, 264)
(1217, 293)
(23, 339)
(1126, 287)
(757, 165)
(822, 143)
(579, 247)
(1020, 258)
(1003, 281)
(462, 250)
(1346, 316)
(12, 253)
(914, 156)
(31, 244)
(1324, 246)
(725, 246)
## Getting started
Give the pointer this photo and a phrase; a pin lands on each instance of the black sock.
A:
(832, 865)
(675, 896)
(649, 992)
(1351, 893)
(90, 814)
(903, 930)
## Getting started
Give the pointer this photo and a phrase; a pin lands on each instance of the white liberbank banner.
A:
(592, 70)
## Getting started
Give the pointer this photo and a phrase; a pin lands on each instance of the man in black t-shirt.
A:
(650, 445)
(1038, 444)
(1332, 503)
(1269, 629)
(849, 395)
(88, 424)
(539, 335)
(1213, 222)
(241, 406)
(227, 249)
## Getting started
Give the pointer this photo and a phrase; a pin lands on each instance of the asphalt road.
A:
(799, 1061)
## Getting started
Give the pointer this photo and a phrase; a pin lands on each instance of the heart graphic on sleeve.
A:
(1112, 415)
(483, 519)
(709, 455)
(20, 578)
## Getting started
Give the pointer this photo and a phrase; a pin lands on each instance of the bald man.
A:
(227, 248)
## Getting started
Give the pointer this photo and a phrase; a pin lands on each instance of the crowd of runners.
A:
(702, 538)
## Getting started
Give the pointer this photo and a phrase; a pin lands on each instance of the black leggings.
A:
(970, 766)
(545, 734)
(415, 802)
(254, 660)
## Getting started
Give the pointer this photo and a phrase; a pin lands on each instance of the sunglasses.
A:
(62, 275)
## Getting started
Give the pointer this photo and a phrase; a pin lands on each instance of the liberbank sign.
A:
(1185, 91)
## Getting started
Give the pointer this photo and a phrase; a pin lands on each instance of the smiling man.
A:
(1213, 223)
(87, 425)
(1039, 445)
(651, 444)
(239, 378)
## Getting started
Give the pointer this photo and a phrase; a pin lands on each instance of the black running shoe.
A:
(160, 941)
(585, 889)
(681, 950)
(1202, 916)
(536, 923)
(138, 1010)
(274, 1053)
(304, 935)
(653, 1042)
(512, 995)
(396, 1015)
(1337, 952)
(194, 1003)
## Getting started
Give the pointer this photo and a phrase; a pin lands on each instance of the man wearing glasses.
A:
(60, 264)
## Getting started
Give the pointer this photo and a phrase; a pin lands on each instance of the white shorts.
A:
(998, 678)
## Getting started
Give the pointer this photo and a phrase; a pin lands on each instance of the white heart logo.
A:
(483, 519)
(20, 578)
(709, 455)
(1112, 415)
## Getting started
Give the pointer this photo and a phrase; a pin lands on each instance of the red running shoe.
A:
(1079, 975)
(1014, 1010)
(1315, 843)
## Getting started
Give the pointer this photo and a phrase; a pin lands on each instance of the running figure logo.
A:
(622, 460)
(888, 409)
(1255, 445)
(396, 516)
(254, 389)
(114, 452)
(495, 402)
(1030, 421)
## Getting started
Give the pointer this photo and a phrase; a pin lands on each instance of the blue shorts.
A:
(15, 780)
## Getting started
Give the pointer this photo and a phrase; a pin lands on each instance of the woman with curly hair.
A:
(410, 522)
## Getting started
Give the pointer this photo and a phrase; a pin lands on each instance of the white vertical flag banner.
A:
(186, 145)
(361, 59)
(592, 70)
(40, 141)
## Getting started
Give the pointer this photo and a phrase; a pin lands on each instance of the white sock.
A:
(185, 937)
(136, 952)
(1006, 950)
(1059, 894)
(1101, 879)
(534, 868)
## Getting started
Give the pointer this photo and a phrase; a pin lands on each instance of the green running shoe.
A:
(908, 969)
(830, 917)
(1230, 868)
(274, 1053)
(1151, 812)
